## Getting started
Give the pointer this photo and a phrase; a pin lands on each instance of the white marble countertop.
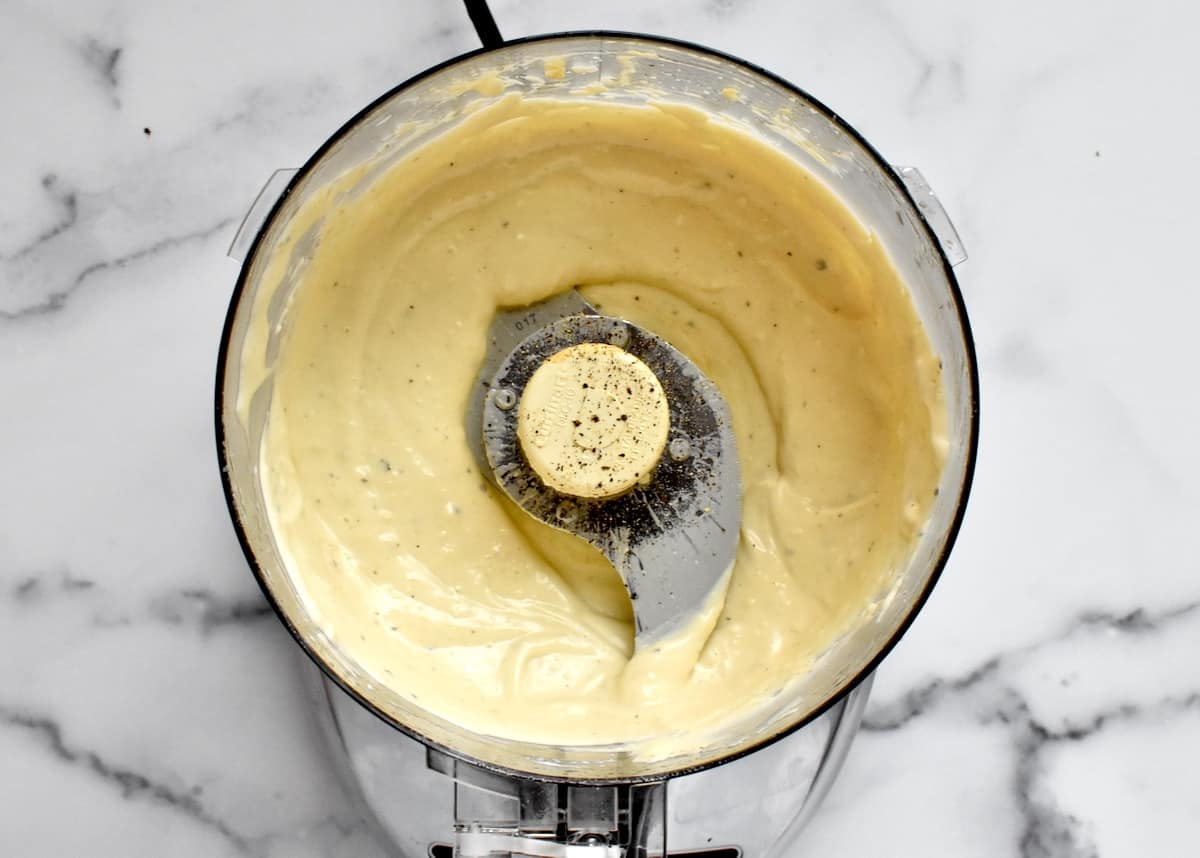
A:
(1047, 702)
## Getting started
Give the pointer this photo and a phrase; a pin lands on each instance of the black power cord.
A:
(485, 24)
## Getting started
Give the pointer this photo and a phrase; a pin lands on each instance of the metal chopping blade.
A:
(673, 538)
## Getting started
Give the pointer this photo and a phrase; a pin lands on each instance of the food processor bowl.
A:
(894, 204)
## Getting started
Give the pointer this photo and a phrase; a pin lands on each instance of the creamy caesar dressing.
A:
(423, 572)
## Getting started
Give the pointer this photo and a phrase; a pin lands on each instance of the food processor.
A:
(438, 789)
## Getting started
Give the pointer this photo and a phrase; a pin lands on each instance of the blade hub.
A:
(668, 523)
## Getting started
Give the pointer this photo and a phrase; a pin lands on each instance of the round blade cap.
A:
(593, 421)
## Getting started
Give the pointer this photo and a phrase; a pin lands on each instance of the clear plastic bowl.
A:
(632, 69)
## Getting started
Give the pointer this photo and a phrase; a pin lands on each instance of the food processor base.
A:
(421, 799)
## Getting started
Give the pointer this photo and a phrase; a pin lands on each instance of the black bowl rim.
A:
(952, 531)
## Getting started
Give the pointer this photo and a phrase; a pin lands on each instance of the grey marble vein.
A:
(36, 587)
(1047, 831)
(917, 701)
(130, 783)
(67, 200)
(1121, 713)
(195, 607)
(208, 610)
(950, 74)
(940, 80)
(58, 299)
(1137, 621)
(103, 59)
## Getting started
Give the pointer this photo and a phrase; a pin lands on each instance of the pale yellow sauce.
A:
(431, 579)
